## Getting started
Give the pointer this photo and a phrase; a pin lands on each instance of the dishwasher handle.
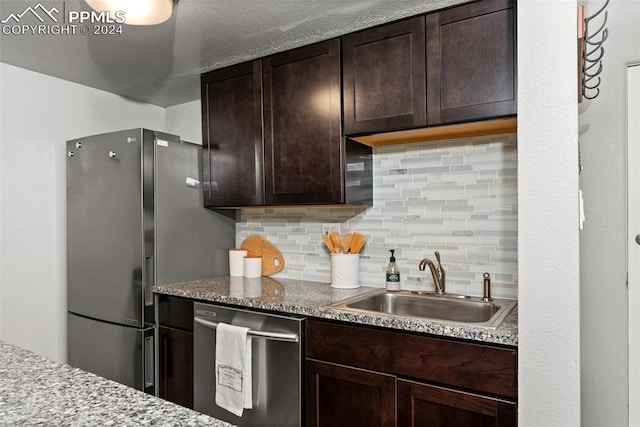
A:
(276, 336)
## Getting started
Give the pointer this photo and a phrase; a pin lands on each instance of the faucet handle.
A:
(486, 295)
(441, 272)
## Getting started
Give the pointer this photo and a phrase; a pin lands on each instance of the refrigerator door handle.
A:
(149, 369)
(148, 281)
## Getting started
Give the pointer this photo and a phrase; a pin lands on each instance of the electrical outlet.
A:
(330, 227)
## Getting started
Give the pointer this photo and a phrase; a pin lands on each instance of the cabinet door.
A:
(471, 62)
(423, 405)
(472, 366)
(342, 396)
(175, 312)
(303, 159)
(232, 136)
(384, 78)
(175, 357)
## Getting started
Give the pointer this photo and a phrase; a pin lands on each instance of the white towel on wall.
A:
(233, 368)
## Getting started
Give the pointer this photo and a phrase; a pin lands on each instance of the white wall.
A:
(548, 247)
(39, 113)
(1, 84)
(603, 241)
(633, 251)
(184, 120)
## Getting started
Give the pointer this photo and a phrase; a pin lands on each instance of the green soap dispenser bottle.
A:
(393, 274)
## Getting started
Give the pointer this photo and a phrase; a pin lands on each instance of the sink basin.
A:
(448, 307)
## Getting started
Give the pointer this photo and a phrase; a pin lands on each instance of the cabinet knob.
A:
(71, 154)
(112, 154)
(638, 239)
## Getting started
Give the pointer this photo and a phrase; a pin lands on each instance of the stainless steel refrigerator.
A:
(135, 218)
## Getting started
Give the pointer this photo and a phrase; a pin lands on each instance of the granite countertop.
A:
(37, 391)
(310, 298)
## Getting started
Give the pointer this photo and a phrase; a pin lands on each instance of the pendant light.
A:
(136, 12)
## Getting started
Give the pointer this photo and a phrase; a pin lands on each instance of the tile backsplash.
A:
(458, 197)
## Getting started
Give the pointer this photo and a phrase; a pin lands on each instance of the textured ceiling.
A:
(161, 64)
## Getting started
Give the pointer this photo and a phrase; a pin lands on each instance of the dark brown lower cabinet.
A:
(339, 395)
(342, 396)
(424, 405)
(176, 366)
(364, 376)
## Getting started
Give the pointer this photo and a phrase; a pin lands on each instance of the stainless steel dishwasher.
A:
(277, 361)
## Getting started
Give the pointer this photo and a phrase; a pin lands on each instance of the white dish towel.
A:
(233, 368)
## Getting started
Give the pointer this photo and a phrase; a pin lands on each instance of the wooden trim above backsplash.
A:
(439, 133)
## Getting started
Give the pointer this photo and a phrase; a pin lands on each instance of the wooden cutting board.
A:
(272, 259)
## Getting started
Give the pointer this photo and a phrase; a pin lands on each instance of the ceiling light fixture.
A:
(136, 12)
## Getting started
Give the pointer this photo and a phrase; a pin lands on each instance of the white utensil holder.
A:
(345, 271)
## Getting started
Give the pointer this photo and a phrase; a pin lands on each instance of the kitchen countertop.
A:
(37, 391)
(310, 298)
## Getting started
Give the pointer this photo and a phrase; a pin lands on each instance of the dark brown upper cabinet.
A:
(303, 138)
(272, 131)
(384, 78)
(471, 62)
(272, 134)
(456, 66)
(232, 136)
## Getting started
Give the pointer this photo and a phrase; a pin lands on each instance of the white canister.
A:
(252, 267)
(236, 262)
(345, 271)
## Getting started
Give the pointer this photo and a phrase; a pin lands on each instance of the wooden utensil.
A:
(346, 243)
(355, 239)
(327, 241)
(357, 242)
(335, 239)
(272, 259)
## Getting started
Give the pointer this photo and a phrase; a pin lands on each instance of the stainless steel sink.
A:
(447, 307)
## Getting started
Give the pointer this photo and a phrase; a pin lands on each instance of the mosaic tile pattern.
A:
(458, 197)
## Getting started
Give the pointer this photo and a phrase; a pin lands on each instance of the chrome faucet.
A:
(437, 273)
